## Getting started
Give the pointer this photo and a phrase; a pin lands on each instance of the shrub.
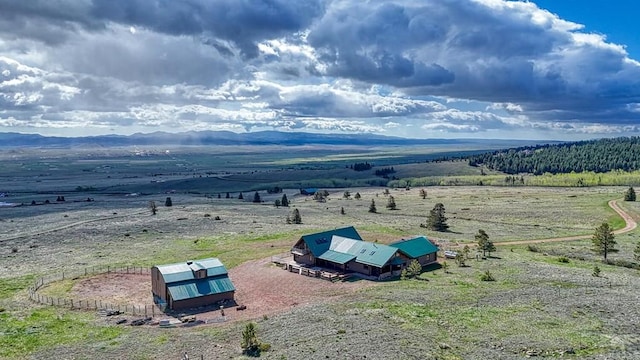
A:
(264, 347)
(487, 276)
(563, 259)
(623, 263)
(596, 271)
(533, 248)
(207, 215)
(217, 218)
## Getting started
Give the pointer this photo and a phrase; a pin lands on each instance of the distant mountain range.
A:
(251, 138)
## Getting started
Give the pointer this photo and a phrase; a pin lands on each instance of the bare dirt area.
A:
(115, 288)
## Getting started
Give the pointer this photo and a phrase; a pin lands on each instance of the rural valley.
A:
(67, 210)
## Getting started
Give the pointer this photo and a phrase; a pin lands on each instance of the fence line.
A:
(147, 310)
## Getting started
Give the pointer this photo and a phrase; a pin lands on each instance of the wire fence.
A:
(147, 310)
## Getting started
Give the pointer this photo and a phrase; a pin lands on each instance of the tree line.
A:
(598, 156)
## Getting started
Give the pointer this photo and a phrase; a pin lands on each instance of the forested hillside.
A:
(596, 155)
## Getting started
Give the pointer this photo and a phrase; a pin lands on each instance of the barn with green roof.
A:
(191, 284)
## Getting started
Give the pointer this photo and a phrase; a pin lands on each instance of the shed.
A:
(418, 248)
(191, 284)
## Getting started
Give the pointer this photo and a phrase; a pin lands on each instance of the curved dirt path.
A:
(630, 224)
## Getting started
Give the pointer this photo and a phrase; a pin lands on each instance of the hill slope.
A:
(595, 155)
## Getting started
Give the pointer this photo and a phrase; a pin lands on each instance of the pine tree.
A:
(357, 196)
(436, 220)
(636, 252)
(391, 203)
(219, 196)
(342, 211)
(284, 201)
(250, 341)
(482, 239)
(423, 194)
(414, 269)
(372, 207)
(296, 218)
(240, 197)
(153, 207)
(227, 196)
(603, 240)
(168, 202)
(630, 195)
(277, 203)
(256, 197)
(346, 194)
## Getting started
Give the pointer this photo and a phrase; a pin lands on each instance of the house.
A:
(344, 250)
(310, 247)
(419, 248)
(191, 284)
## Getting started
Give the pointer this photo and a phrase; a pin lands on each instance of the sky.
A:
(552, 69)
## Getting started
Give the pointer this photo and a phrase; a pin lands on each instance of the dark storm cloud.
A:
(242, 22)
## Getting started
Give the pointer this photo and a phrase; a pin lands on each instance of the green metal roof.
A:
(319, 243)
(415, 247)
(336, 257)
(200, 287)
(368, 253)
(185, 270)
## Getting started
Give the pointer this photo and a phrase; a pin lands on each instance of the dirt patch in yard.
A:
(262, 287)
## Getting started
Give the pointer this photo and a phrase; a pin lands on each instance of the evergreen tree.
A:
(342, 211)
(240, 197)
(385, 192)
(219, 196)
(250, 341)
(630, 195)
(357, 196)
(168, 202)
(372, 207)
(256, 197)
(277, 203)
(391, 203)
(445, 267)
(319, 196)
(482, 239)
(436, 220)
(284, 201)
(414, 269)
(296, 218)
(603, 240)
(227, 196)
(153, 207)
(423, 194)
(636, 252)
(346, 194)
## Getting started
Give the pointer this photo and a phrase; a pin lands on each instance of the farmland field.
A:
(536, 306)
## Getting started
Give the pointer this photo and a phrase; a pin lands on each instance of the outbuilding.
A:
(191, 284)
